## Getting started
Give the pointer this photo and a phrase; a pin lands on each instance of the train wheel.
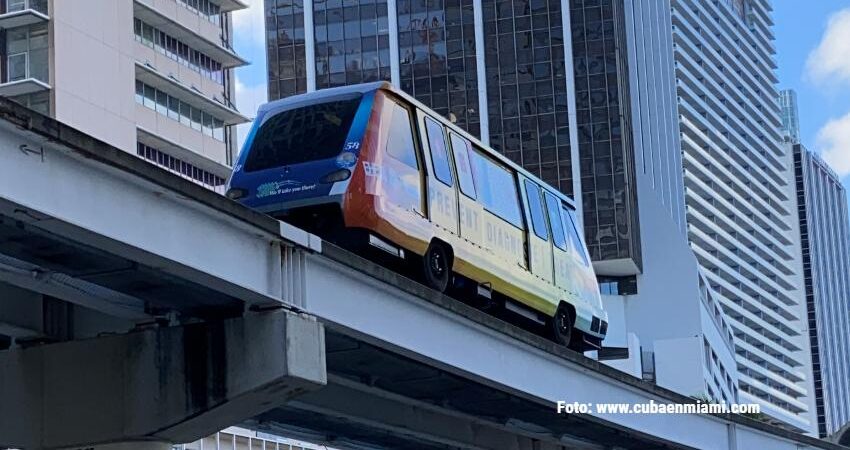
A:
(562, 325)
(437, 267)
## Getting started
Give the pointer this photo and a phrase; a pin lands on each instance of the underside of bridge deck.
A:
(384, 399)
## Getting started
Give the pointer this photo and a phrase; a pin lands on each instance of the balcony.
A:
(189, 94)
(20, 13)
(218, 50)
(231, 5)
(24, 76)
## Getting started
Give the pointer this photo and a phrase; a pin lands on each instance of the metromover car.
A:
(371, 163)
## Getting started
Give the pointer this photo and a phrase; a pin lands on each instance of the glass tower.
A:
(790, 118)
(825, 244)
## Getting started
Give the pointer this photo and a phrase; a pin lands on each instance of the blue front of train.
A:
(301, 151)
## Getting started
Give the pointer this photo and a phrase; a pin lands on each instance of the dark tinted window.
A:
(535, 206)
(439, 154)
(553, 207)
(496, 187)
(461, 149)
(572, 231)
(303, 134)
(400, 143)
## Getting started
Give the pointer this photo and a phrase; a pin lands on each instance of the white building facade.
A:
(740, 197)
(151, 77)
(672, 322)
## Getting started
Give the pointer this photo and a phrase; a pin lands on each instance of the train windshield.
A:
(303, 134)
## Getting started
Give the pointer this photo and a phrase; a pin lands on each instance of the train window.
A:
(553, 207)
(299, 135)
(400, 142)
(572, 231)
(535, 206)
(439, 153)
(461, 149)
(496, 188)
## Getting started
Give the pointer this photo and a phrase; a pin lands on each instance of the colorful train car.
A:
(373, 165)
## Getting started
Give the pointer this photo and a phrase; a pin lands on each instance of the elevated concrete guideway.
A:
(380, 361)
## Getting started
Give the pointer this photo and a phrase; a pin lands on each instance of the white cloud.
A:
(831, 58)
(251, 22)
(248, 99)
(834, 144)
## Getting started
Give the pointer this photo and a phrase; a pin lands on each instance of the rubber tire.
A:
(561, 326)
(436, 267)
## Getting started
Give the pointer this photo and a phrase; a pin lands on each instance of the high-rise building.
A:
(790, 115)
(152, 77)
(740, 199)
(626, 83)
(627, 125)
(825, 243)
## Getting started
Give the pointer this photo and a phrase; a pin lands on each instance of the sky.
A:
(813, 53)
(249, 42)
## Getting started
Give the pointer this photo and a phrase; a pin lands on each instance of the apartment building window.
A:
(204, 8)
(178, 51)
(26, 53)
(21, 5)
(177, 166)
(180, 111)
(617, 285)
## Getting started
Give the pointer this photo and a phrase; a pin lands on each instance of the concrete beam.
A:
(419, 423)
(21, 312)
(842, 436)
(175, 384)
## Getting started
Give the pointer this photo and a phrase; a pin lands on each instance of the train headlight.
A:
(236, 193)
(346, 160)
(336, 175)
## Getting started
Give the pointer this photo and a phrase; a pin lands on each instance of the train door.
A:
(470, 212)
(442, 196)
(404, 179)
(561, 256)
(539, 247)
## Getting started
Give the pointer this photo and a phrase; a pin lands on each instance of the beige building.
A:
(152, 77)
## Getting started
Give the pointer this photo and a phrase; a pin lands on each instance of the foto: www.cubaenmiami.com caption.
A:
(657, 408)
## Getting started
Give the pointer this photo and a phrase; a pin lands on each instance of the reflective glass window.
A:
(460, 149)
(535, 207)
(299, 135)
(572, 230)
(556, 223)
(439, 153)
(400, 142)
(496, 187)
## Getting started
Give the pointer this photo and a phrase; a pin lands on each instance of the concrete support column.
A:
(481, 72)
(310, 45)
(392, 21)
(175, 384)
(572, 114)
